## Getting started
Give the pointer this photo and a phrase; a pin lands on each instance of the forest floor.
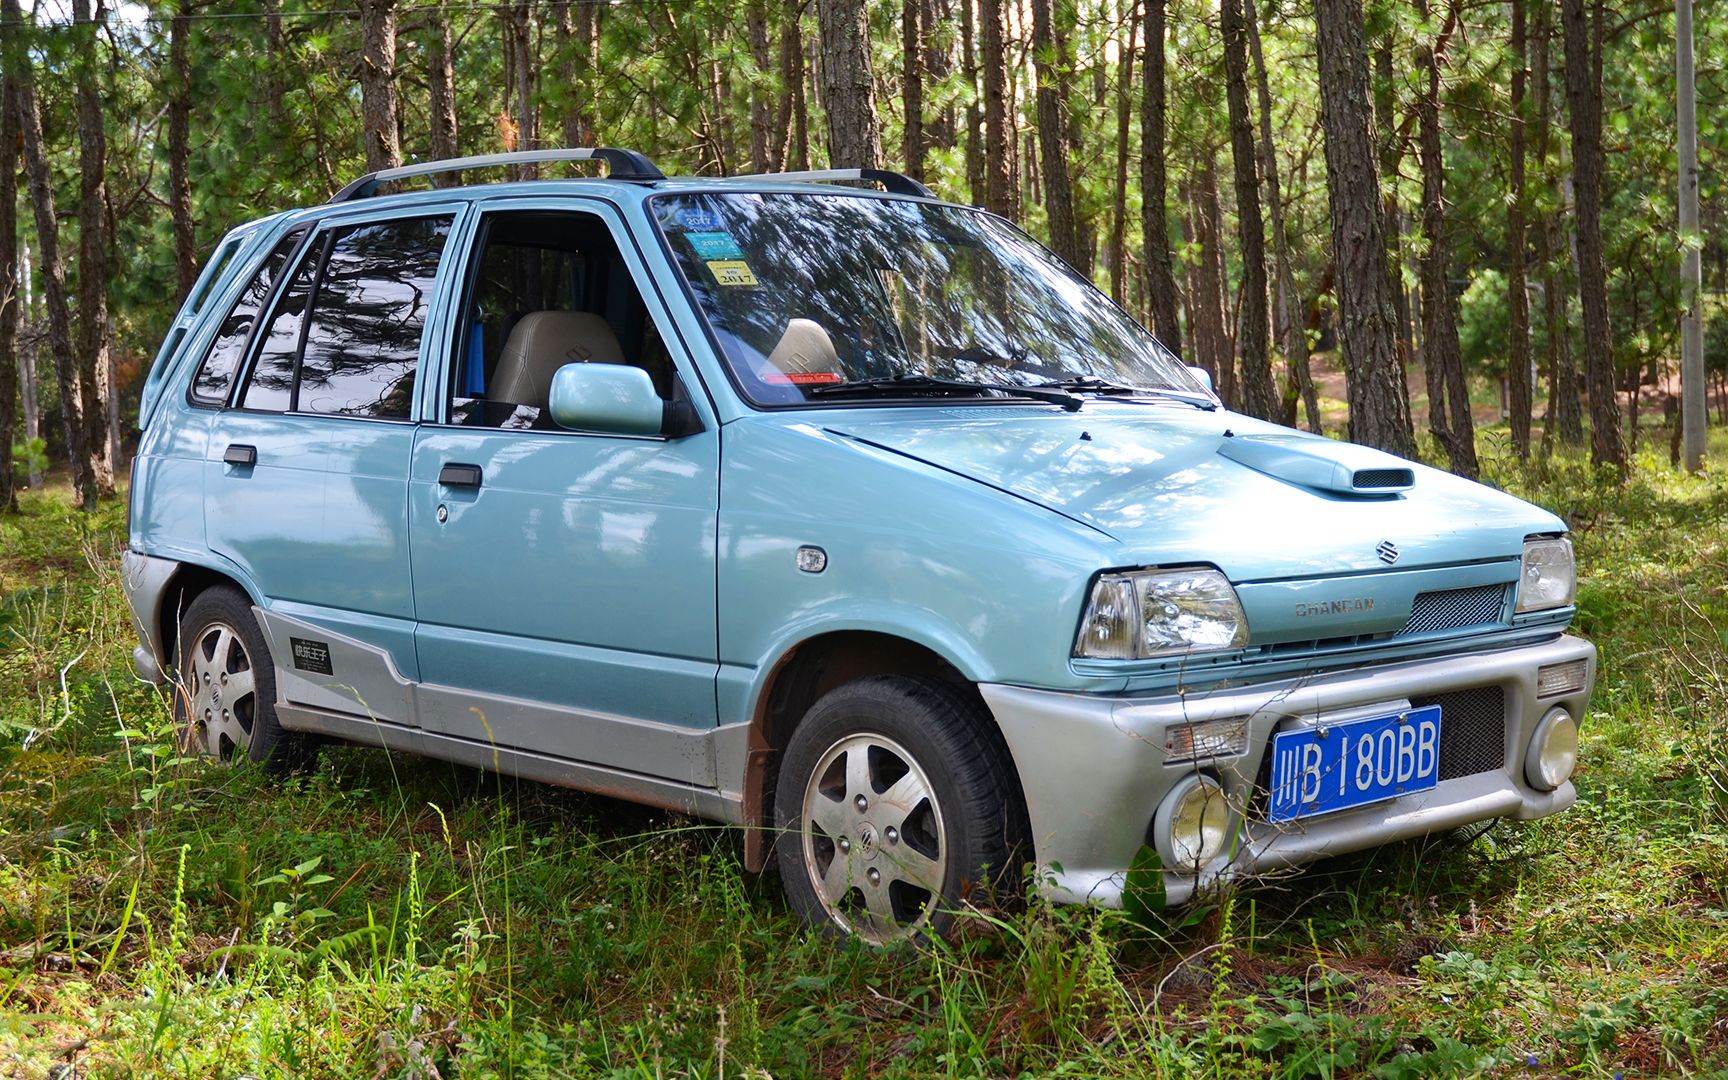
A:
(391, 916)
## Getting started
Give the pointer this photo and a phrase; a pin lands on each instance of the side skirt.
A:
(617, 783)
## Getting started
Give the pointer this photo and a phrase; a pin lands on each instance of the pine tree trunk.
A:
(1161, 295)
(848, 89)
(1390, 148)
(93, 355)
(1448, 393)
(1292, 335)
(1584, 108)
(1563, 418)
(1259, 396)
(1517, 295)
(1211, 309)
(575, 31)
(441, 92)
(999, 194)
(10, 294)
(1194, 290)
(519, 45)
(794, 115)
(937, 21)
(52, 270)
(111, 398)
(275, 55)
(974, 116)
(378, 84)
(1692, 418)
(1366, 327)
(1119, 195)
(180, 151)
(912, 85)
(1049, 61)
(29, 382)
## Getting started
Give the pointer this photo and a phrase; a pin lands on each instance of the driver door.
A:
(564, 581)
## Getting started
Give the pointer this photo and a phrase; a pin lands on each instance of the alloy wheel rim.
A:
(874, 846)
(222, 694)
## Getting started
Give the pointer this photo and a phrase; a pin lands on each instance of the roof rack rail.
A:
(621, 165)
(898, 183)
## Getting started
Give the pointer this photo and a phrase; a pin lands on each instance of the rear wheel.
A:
(895, 802)
(224, 700)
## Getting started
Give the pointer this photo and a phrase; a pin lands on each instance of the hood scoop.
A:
(1313, 462)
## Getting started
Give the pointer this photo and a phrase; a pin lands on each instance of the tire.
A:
(896, 800)
(225, 687)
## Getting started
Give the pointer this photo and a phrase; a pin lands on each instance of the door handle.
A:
(239, 454)
(455, 474)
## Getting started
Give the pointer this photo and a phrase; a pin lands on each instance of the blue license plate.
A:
(1331, 767)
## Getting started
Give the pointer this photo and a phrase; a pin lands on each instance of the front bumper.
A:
(1093, 772)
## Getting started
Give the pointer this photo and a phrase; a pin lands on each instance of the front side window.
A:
(547, 289)
(344, 338)
(812, 295)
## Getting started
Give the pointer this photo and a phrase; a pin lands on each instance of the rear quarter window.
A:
(215, 377)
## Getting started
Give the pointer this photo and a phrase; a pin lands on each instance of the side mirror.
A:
(613, 398)
(1204, 376)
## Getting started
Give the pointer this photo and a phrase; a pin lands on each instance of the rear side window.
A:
(344, 338)
(216, 374)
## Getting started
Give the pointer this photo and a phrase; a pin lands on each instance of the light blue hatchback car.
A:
(848, 516)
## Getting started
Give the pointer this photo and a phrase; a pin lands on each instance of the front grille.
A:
(1370, 479)
(1472, 730)
(1454, 609)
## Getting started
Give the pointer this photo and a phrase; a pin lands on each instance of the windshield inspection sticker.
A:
(701, 220)
(732, 272)
(714, 245)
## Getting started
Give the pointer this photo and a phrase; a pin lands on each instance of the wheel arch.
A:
(797, 680)
(182, 587)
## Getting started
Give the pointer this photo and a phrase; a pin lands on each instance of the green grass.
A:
(392, 916)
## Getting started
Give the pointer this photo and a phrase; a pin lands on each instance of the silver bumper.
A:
(1093, 771)
(145, 579)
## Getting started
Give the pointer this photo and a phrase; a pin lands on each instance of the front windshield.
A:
(809, 294)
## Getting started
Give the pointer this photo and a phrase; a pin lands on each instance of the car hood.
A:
(1170, 485)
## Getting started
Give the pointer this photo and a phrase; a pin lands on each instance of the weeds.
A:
(395, 917)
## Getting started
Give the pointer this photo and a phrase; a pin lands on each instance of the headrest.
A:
(804, 354)
(543, 342)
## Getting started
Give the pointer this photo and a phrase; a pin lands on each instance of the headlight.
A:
(1161, 612)
(1548, 578)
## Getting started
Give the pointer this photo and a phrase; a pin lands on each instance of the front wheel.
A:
(896, 800)
(225, 695)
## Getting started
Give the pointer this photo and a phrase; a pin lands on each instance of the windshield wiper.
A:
(926, 384)
(1090, 384)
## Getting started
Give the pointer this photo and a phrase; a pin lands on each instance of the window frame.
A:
(321, 230)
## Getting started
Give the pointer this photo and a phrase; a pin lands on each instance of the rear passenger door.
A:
(564, 580)
(307, 467)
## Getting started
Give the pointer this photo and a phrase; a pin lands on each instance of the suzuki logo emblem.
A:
(1388, 552)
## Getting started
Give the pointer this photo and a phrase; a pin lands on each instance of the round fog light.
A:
(1553, 751)
(1192, 823)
